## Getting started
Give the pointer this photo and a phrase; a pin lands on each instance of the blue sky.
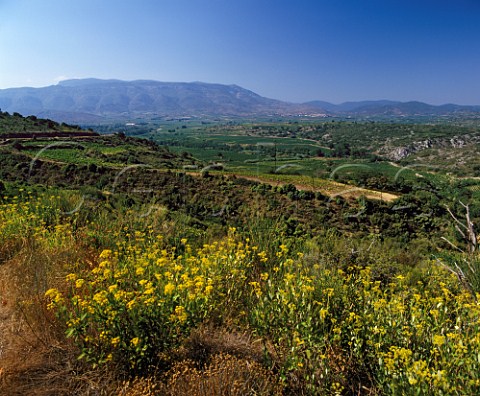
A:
(337, 50)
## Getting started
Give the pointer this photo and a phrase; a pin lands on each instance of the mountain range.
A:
(94, 100)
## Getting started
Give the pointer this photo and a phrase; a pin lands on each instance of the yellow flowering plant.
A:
(142, 299)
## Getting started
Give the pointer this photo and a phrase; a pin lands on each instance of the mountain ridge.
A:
(96, 100)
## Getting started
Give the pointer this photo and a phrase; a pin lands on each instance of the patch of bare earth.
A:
(342, 190)
(35, 357)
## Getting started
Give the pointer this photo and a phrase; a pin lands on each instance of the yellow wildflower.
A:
(438, 340)
(106, 254)
(208, 290)
(71, 277)
(169, 288)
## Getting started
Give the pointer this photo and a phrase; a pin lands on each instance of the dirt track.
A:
(347, 192)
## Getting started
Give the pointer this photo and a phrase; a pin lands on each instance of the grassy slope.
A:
(16, 123)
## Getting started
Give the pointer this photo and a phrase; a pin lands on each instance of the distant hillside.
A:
(93, 101)
(392, 108)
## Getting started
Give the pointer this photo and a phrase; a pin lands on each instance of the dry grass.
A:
(35, 357)
(225, 375)
(206, 342)
(218, 362)
(9, 248)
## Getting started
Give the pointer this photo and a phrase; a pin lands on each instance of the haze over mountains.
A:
(95, 100)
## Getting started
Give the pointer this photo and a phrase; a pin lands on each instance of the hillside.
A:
(41, 150)
(17, 126)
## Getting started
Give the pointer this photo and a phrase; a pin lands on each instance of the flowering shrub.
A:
(405, 338)
(142, 298)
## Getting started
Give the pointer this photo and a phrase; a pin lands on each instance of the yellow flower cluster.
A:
(425, 335)
(140, 289)
(23, 217)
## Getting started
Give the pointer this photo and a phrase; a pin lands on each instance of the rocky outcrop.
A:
(457, 142)
(400, 153)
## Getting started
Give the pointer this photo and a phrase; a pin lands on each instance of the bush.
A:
(143, 299)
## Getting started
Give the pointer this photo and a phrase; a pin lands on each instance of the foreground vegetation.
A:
(298, 316)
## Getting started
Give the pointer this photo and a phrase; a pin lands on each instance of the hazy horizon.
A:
(296, 52)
